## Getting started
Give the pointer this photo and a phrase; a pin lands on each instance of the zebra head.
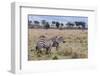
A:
(57, 40)
(60, 39)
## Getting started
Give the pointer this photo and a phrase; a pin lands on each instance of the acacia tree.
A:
(83, 24)
(47, 25)
(61, 25)
(36, 22)
(57, 24)
(29, 22)
(43, 22)
(70, 25)
(53, 22)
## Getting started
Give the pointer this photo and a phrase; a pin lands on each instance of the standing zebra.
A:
(56, 41)
(47, 44)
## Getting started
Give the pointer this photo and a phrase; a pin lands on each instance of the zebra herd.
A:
(47, 43)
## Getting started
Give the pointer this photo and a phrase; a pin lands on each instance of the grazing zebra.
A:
(47, 44)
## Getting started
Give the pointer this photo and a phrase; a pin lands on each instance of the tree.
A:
(83, 24)
(29, 22)
(47, 25)
(43, 22)
(57, 24)
(62, 24)
(70, 25)
(53, 22)
(36, 22)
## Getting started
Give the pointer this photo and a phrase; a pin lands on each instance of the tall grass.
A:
(75, 46)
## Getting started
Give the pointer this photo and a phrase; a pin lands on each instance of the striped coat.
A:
(47, 44)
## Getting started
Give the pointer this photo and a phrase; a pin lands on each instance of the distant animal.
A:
(47, 44)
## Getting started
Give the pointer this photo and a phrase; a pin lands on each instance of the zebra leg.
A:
(37, 50)
(57, 47)
(47, 50)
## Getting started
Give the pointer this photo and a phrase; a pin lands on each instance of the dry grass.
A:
(75, 46)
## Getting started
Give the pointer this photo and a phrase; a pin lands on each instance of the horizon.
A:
(61, 19)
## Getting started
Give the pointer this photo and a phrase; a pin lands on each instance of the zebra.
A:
(43, 43)
(56, 41)
(47, 44)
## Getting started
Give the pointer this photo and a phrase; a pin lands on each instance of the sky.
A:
(61, 19)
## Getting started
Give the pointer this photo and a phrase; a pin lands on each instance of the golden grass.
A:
(76, 45)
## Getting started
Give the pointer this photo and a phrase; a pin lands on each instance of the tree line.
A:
(56, 24)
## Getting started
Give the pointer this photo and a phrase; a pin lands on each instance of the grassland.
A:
(76, 45)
